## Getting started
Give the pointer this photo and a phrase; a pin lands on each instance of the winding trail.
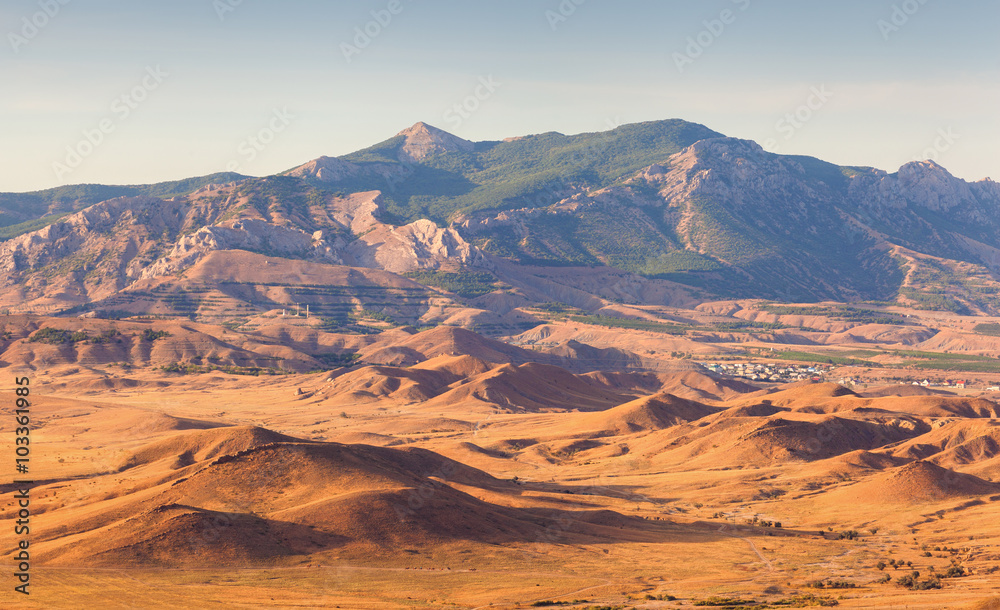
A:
(753, 547)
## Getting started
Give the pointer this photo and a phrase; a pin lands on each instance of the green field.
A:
(938, 361)
(990, 329)
(632, 324)
(820, 359)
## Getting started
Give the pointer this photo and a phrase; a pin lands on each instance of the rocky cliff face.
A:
(415, 246)
(91, 253)
(247, 234)
(109, 246)
(725, 214)
(923, 184)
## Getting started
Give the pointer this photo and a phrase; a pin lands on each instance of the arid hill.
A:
(914, 483)
(241, 496)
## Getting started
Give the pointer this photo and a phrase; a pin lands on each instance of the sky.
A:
(139, 91)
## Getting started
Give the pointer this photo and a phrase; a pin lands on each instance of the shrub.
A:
(912, 581)
(152, 335)
(831, 584)
(725, 602)
(55, 336)
(466, 284)
(106, 337)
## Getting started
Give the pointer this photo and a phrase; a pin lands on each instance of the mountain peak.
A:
(728, 145)
(423, 140)
(419, 127)
(931, 186)
(712, 151)
(927, 166)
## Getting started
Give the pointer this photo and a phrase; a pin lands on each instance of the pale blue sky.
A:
(887, 95)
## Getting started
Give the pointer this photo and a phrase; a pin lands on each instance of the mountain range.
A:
(546, 371)
(427, 224)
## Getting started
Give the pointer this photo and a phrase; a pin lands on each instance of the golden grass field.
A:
(470, 480)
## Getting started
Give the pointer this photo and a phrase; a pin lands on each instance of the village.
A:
(787, 373)
(776, 373)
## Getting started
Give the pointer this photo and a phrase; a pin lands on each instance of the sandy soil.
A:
(470, 479)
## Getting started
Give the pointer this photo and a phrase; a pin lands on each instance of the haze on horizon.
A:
(172, 91)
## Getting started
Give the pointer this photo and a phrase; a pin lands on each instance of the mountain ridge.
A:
(675, 204)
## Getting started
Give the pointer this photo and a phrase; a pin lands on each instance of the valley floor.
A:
(448, 470)
(609, 523)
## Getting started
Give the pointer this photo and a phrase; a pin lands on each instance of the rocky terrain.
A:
(649, 368)
(677, 212)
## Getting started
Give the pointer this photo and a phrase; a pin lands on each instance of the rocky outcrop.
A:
(326, 169)
(418, 245)
(252, 235)
(923, 184)
(118, 225)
